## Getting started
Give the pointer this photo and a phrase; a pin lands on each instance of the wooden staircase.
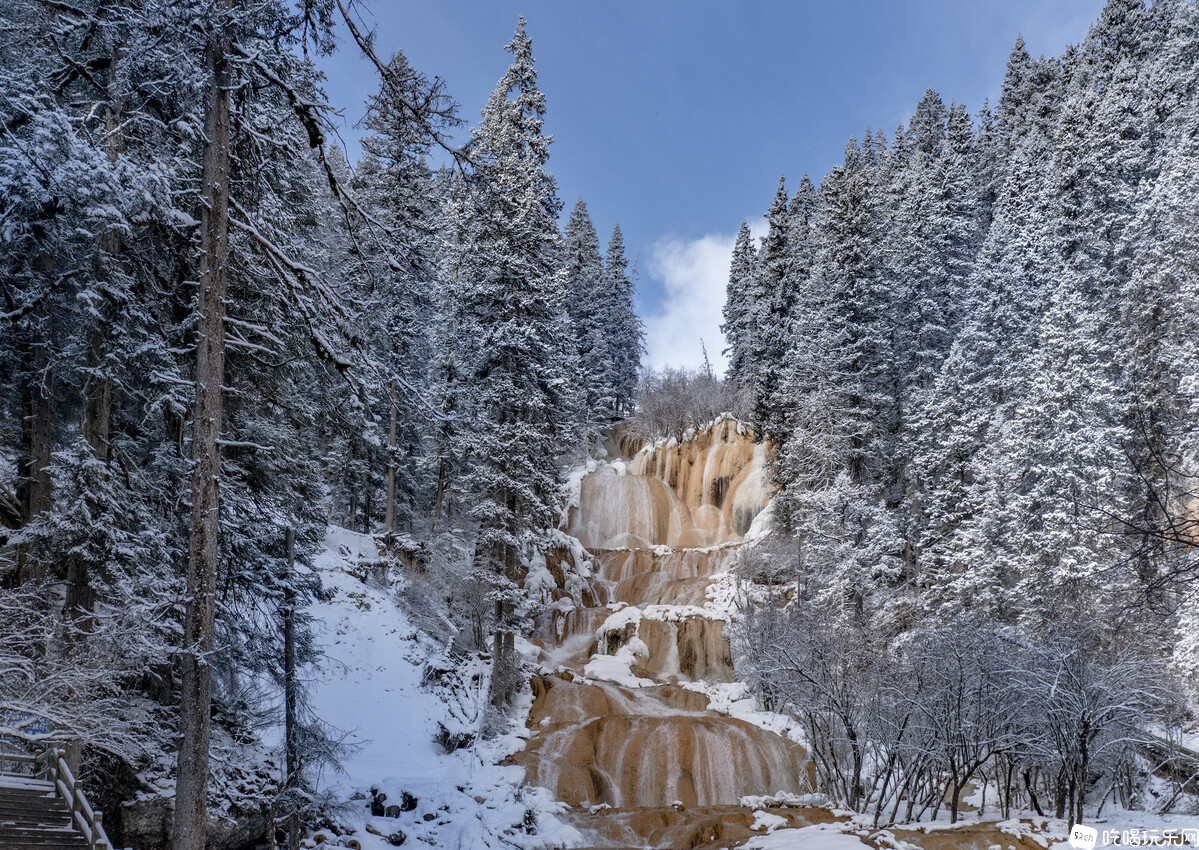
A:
(34, 816)
(42, 807)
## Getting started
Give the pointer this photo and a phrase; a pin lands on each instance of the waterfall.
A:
(615, 731)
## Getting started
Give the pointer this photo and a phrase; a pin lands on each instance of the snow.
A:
(762, 524)
(624, 615)
(618, 668)
(539, 584)
(678, 613)
(764, 821)
(390, 687)
(735, 700)
(824, 836)
(573, 489)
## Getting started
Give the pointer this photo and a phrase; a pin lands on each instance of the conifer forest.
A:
(342, 505)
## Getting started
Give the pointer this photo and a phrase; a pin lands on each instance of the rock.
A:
(451, 741)
(392, 812)
(146, 824)
(428, 816)
(395, 839)
(407, 802)
(377, 808)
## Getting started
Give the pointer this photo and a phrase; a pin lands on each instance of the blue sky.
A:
(675, 117)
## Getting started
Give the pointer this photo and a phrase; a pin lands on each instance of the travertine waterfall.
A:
(619, 729)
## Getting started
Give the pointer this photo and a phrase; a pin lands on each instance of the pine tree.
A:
(934, 243)
(587, 307)
(738, 327)
(511, 319)
(625, 335)
(394, 183)
(836, 466)
(771, 297)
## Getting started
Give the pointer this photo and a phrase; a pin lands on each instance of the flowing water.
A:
(615, 732)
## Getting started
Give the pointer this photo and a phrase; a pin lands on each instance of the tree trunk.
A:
(442, 475)
(366, 496)
(97, 387)
(290, 691)
(352, 508)
(37, 408)
(497, 652)
(855, 790)
(1032, 794)
(505, 639)
(190, 821)
(1084, 761)
(390, 521)
(1007, 790)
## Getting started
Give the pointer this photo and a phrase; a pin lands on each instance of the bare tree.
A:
(195, 719)
(76, 686)
(1091, 701)
(671, 401)
(904, 724)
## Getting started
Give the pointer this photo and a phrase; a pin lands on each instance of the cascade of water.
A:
(613, 722)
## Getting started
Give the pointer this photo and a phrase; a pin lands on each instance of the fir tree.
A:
(512, 323)
(623, 329)
(588, 309)
(739, 305)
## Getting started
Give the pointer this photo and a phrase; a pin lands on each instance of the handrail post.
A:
(58, 773)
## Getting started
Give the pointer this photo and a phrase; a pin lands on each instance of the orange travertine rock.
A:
(702, 492)
(659, 525)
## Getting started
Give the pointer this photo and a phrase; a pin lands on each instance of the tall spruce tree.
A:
(504, 264)
(622, 327)
(771, 296)
(836, 466)
(588, 309)
(738, 327)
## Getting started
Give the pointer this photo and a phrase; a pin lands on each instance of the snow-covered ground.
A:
(1119, 829)
(392, 688)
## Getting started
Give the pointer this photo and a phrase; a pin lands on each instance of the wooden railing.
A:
(52, 765)
(15, 762)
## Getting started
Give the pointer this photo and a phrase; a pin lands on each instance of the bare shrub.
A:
(1057, 720)
(671, 401)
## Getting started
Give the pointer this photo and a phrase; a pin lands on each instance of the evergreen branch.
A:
(310, 115)
(241, 444)
(419, 113)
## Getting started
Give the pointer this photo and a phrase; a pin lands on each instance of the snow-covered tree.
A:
(738, 326)
(511, 322)
(586, 297)
(622, 326)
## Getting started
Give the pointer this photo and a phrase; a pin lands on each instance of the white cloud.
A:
(694, 274)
